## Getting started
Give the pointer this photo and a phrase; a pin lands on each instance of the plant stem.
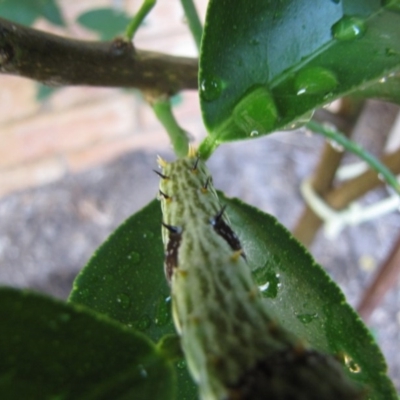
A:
(138, 18)
(351, 146)
(193, 21)
(179, 138)
(56, 60)
(207, 147)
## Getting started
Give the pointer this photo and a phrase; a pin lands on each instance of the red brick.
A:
(110, 150)
(55, 133)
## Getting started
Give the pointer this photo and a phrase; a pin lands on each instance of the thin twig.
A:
(137, 20)
(356, 149)
(58, 61)
(179, 138)
(193, 21)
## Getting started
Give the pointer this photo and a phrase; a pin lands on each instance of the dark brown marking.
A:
(225, 231)
(160, 174)
(171, 254)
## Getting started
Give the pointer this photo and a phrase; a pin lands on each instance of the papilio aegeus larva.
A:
(234, 349)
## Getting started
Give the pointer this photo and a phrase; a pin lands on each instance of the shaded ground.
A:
(48, 234)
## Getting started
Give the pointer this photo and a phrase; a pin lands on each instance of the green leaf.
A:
(297, 291)
(108, 22)
(125, 281)
(387, 88)
(27, 11)
(305, 300)
(52, 350)
(264, 64)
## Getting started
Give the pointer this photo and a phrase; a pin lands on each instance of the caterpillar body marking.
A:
(234, 348)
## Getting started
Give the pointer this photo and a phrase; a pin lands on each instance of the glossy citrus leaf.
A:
(305, 300)
(27, 11)
(264, 64)
(298, 291)
(125, 281)
(108, 22)
(387, 88)
(49, 349)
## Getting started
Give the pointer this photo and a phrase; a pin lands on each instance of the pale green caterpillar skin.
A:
(233, 347)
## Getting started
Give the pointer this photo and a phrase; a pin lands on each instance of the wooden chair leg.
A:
(385, 279)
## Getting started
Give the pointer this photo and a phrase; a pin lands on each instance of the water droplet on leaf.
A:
(124, 301)
(134, 257)
(349, 28)
(256, 111)
(254, 133)
(181, 364)
(148, 235)
(210, 88)
(306, 318)
(268, 282)
(352, 366)
(163, 311)
(314, 80)
(144, 322)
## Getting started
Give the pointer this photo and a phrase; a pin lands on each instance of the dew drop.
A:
(254, 133)
(148, 235)
(144, 322)
(210, 88)
(163, 311)
(314, 80)
(381, 177)
(306, 318)
(268, 282)
(256, 111)
(124, 301)
(352, 366)
(349, 28)
(134, 257)
(181, 364)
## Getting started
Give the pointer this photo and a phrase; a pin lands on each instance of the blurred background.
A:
(75, 162)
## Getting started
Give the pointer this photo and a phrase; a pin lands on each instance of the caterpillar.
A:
(233, 348)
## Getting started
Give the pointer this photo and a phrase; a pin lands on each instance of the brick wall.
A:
(80, 127)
